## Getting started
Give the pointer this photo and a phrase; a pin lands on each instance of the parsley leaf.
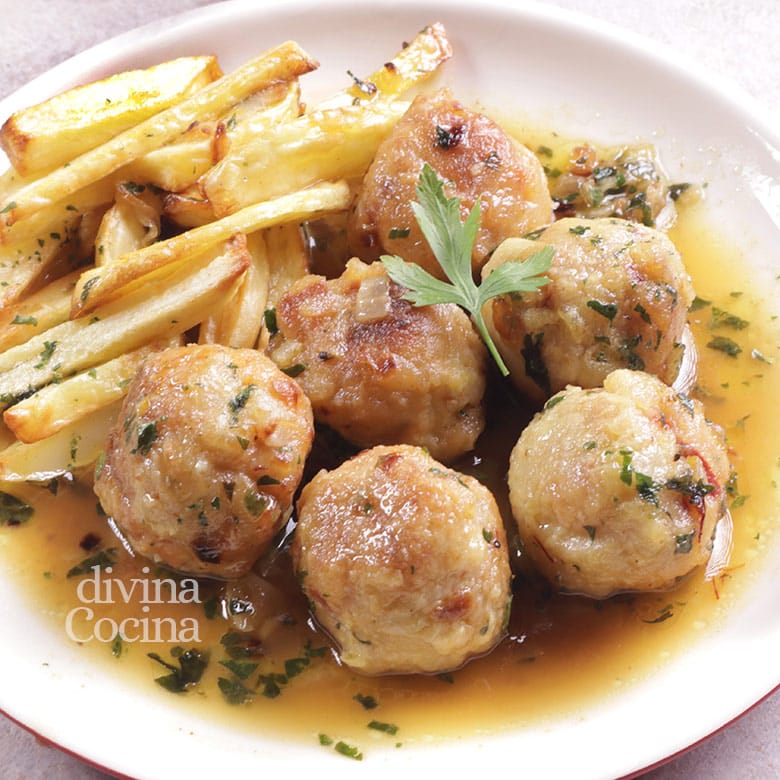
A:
(451, 241)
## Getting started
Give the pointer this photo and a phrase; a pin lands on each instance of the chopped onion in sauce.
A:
(372, 302)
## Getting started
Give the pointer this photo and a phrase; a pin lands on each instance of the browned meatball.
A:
(404, 562)
(202, 464)
(474, 156)
(618, 298)
(619, 488)
(379, 370)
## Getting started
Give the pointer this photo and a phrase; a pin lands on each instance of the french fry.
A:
(22, 264)
(415, 63)
(239, 320)
(283, 63)
(177, 166)
(279, 103)
(287, 262)
(334, 143)
(131, 223)
(38, 312)
(41, 137)
(188, 208)
(37, 245)
(99, 285)
(75, 446)
(162, 308)
(59, 405)
(287, 259)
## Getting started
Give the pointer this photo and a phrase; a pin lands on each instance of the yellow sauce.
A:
(562, 654)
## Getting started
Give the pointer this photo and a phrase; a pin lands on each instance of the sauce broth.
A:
(562, 652)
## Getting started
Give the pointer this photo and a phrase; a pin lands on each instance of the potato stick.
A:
(131, 223)
(238, 321)
(28, 260)
(38, 312)
(39, 226)
(282, 63)
(76, 446)
(44, 136)
(188, 208)
(161, 309)
(415, 63)
(287, 259)
(322, 145)
(57, 405)
(99, 285)
(287, 262)
(278, 103)
(178, 165)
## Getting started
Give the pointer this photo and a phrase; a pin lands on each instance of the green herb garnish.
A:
(234, 691)
(608, 310)
(295, 370)
(367, 701)
(235, 405)
(451, 241)
(388, 728)
(13, 511)
(726, 345)
(20, 319)
(723, 318)
(192, 664)
(102, 560)
(699, 303)
(147, 436)
(350, 751)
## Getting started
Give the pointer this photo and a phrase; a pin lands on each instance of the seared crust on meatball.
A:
(474, 156)
(618, 298)
(202, 464)
(379, 370)
(404, 562)
(619, 488)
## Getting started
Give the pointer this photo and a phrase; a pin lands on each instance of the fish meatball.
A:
(404, 562)
(202, 464)
(619, 488)
(618, 298)
(379, 370)
(474, 156)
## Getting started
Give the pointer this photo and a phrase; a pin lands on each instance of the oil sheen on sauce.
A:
(562, 652)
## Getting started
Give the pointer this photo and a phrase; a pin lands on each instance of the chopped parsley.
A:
(13, 511)
(387, 728)
(102, 559)
(608, 310)
(235, 405)
(20, 319)
(192, 665)
(726, 345)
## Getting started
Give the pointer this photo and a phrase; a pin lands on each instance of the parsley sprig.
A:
(452, 241)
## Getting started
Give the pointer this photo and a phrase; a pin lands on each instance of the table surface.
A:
(737, 42)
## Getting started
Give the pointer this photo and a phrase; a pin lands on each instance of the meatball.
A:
(379, 370)
(618, 298)
(202, 464)
(619, 488)
(404, 562)
(474, 156)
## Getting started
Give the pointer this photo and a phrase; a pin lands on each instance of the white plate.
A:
(525, 59)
